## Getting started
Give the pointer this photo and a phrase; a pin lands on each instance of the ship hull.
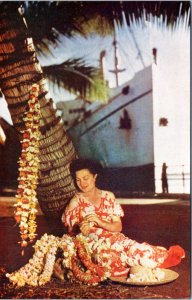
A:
(120, 136)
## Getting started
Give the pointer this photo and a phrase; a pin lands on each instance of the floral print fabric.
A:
(113, 249)
(108, 208)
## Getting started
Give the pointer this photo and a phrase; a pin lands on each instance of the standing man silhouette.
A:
(164, 179)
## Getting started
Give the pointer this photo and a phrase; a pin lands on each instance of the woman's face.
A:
(85, 180)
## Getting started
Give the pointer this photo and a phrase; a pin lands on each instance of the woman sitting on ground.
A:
(97, 214)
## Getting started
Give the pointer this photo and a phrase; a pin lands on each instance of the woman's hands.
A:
(88, 222)
(85, 227)
(91, 220)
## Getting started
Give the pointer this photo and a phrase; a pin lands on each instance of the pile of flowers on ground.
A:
(75, 261)
(25, 213)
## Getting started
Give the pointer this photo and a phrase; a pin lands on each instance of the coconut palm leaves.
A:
(47, 19)
(75, 76)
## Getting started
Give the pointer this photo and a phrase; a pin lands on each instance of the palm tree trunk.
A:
(19, 69)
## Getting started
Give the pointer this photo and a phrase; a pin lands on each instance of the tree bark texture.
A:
(19, 69)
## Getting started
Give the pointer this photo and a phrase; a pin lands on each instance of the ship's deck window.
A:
(163, 122)
(125, 90)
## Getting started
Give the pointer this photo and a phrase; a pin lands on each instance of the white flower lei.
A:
(39, 269)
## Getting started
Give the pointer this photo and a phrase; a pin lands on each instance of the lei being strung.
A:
(25, 213)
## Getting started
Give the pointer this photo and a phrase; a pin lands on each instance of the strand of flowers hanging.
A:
(25, 214)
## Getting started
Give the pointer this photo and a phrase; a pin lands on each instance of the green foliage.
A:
(78, 78)
(98, 91)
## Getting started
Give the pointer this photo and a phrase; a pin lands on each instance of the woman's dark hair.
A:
(94, 167)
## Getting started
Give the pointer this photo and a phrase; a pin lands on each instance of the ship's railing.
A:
(178, 178)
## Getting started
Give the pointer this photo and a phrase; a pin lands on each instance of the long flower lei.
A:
(40, 268)
(25, 213)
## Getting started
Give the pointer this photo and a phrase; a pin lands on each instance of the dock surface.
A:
(162, 222)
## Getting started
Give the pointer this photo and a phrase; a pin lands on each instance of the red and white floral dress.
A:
(113, 249)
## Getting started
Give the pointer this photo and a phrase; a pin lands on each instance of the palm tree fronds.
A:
(47, 19)
(98, 25)
(98, 90)
(76, 77)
